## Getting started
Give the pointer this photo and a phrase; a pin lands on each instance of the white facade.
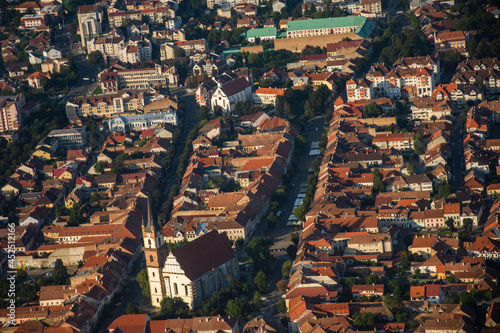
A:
(142, 121)
(89, 21)
(228, 95)
(174, 23)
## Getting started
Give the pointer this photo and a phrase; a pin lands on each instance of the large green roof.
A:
(261, 32)
(365, 29)
(326, 23)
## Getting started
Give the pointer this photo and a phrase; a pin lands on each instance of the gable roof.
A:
(204, 254)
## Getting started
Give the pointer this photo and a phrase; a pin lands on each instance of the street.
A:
(457, 146)
(190, 121)
(281, 232)
(87, 78)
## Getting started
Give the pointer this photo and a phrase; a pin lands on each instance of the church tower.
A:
(155, 252)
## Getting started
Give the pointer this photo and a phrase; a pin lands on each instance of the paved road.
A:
(87, 78)
(190, 121)
(458, 162)
(281, 233)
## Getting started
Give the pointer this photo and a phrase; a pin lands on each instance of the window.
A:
(176, 291)
(186, 290)
(149, 242)
(151, 258)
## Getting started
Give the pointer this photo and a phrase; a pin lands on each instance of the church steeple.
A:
(155, 252)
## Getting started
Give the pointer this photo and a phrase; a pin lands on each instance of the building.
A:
(11, 118)
(89, 22)
(451, 40)
(155, 14)
(114, 79)
(227, 95)
(36, 79)
(109, 105)
(193, 272)
(432, 293)
(425, 108)
(359, 89)
(71, 138)
(267, 95)
(398, 141)
(32, 21)
(261, 33)
(142, 121)
(328, 26)
(410, 82)
(366, 290)
(143, 323)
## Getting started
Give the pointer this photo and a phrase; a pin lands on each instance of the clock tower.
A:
(155, 252)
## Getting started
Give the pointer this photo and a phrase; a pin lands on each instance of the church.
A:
(193, 271)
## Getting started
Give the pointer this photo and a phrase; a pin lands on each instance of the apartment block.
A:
(115, 79)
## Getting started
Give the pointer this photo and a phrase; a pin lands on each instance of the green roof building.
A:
(262, 33)
(327, 26)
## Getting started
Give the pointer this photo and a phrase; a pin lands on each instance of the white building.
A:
(89, 22)
(267, 95)
(359, 89)
(227, 95)
(193, 272)
(71, 138)
(142, 121)
(174, 23)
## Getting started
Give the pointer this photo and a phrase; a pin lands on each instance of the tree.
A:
(418, 274)
(286, 268)
(372, 110)
(234, 307)
(142, 277)
(60, 273)
(174, 307)
(393, 303)
(117, 168)
(443, 189)
(466, 298)
(395, 287)
(258, 250)
(300, 212)
(281, 306)
(256, 298)
(282, 286)
(179, 52)
(450, 279)
(378, 184)
(364, 320)
(95, 57)
(94, 197)
(418, 143)
(100, 166)
(266, 83)
(450, 223)
(260, 282)
(291, 250)
(411, 169)
(350, 281)
(404, 260)
(131, 309)
(371, 279)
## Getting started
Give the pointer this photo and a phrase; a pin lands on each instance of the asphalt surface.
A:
(190, 121)
(87, 78)
(281, 232)
(458, 162)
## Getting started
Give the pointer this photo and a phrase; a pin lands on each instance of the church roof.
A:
(203, 254)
